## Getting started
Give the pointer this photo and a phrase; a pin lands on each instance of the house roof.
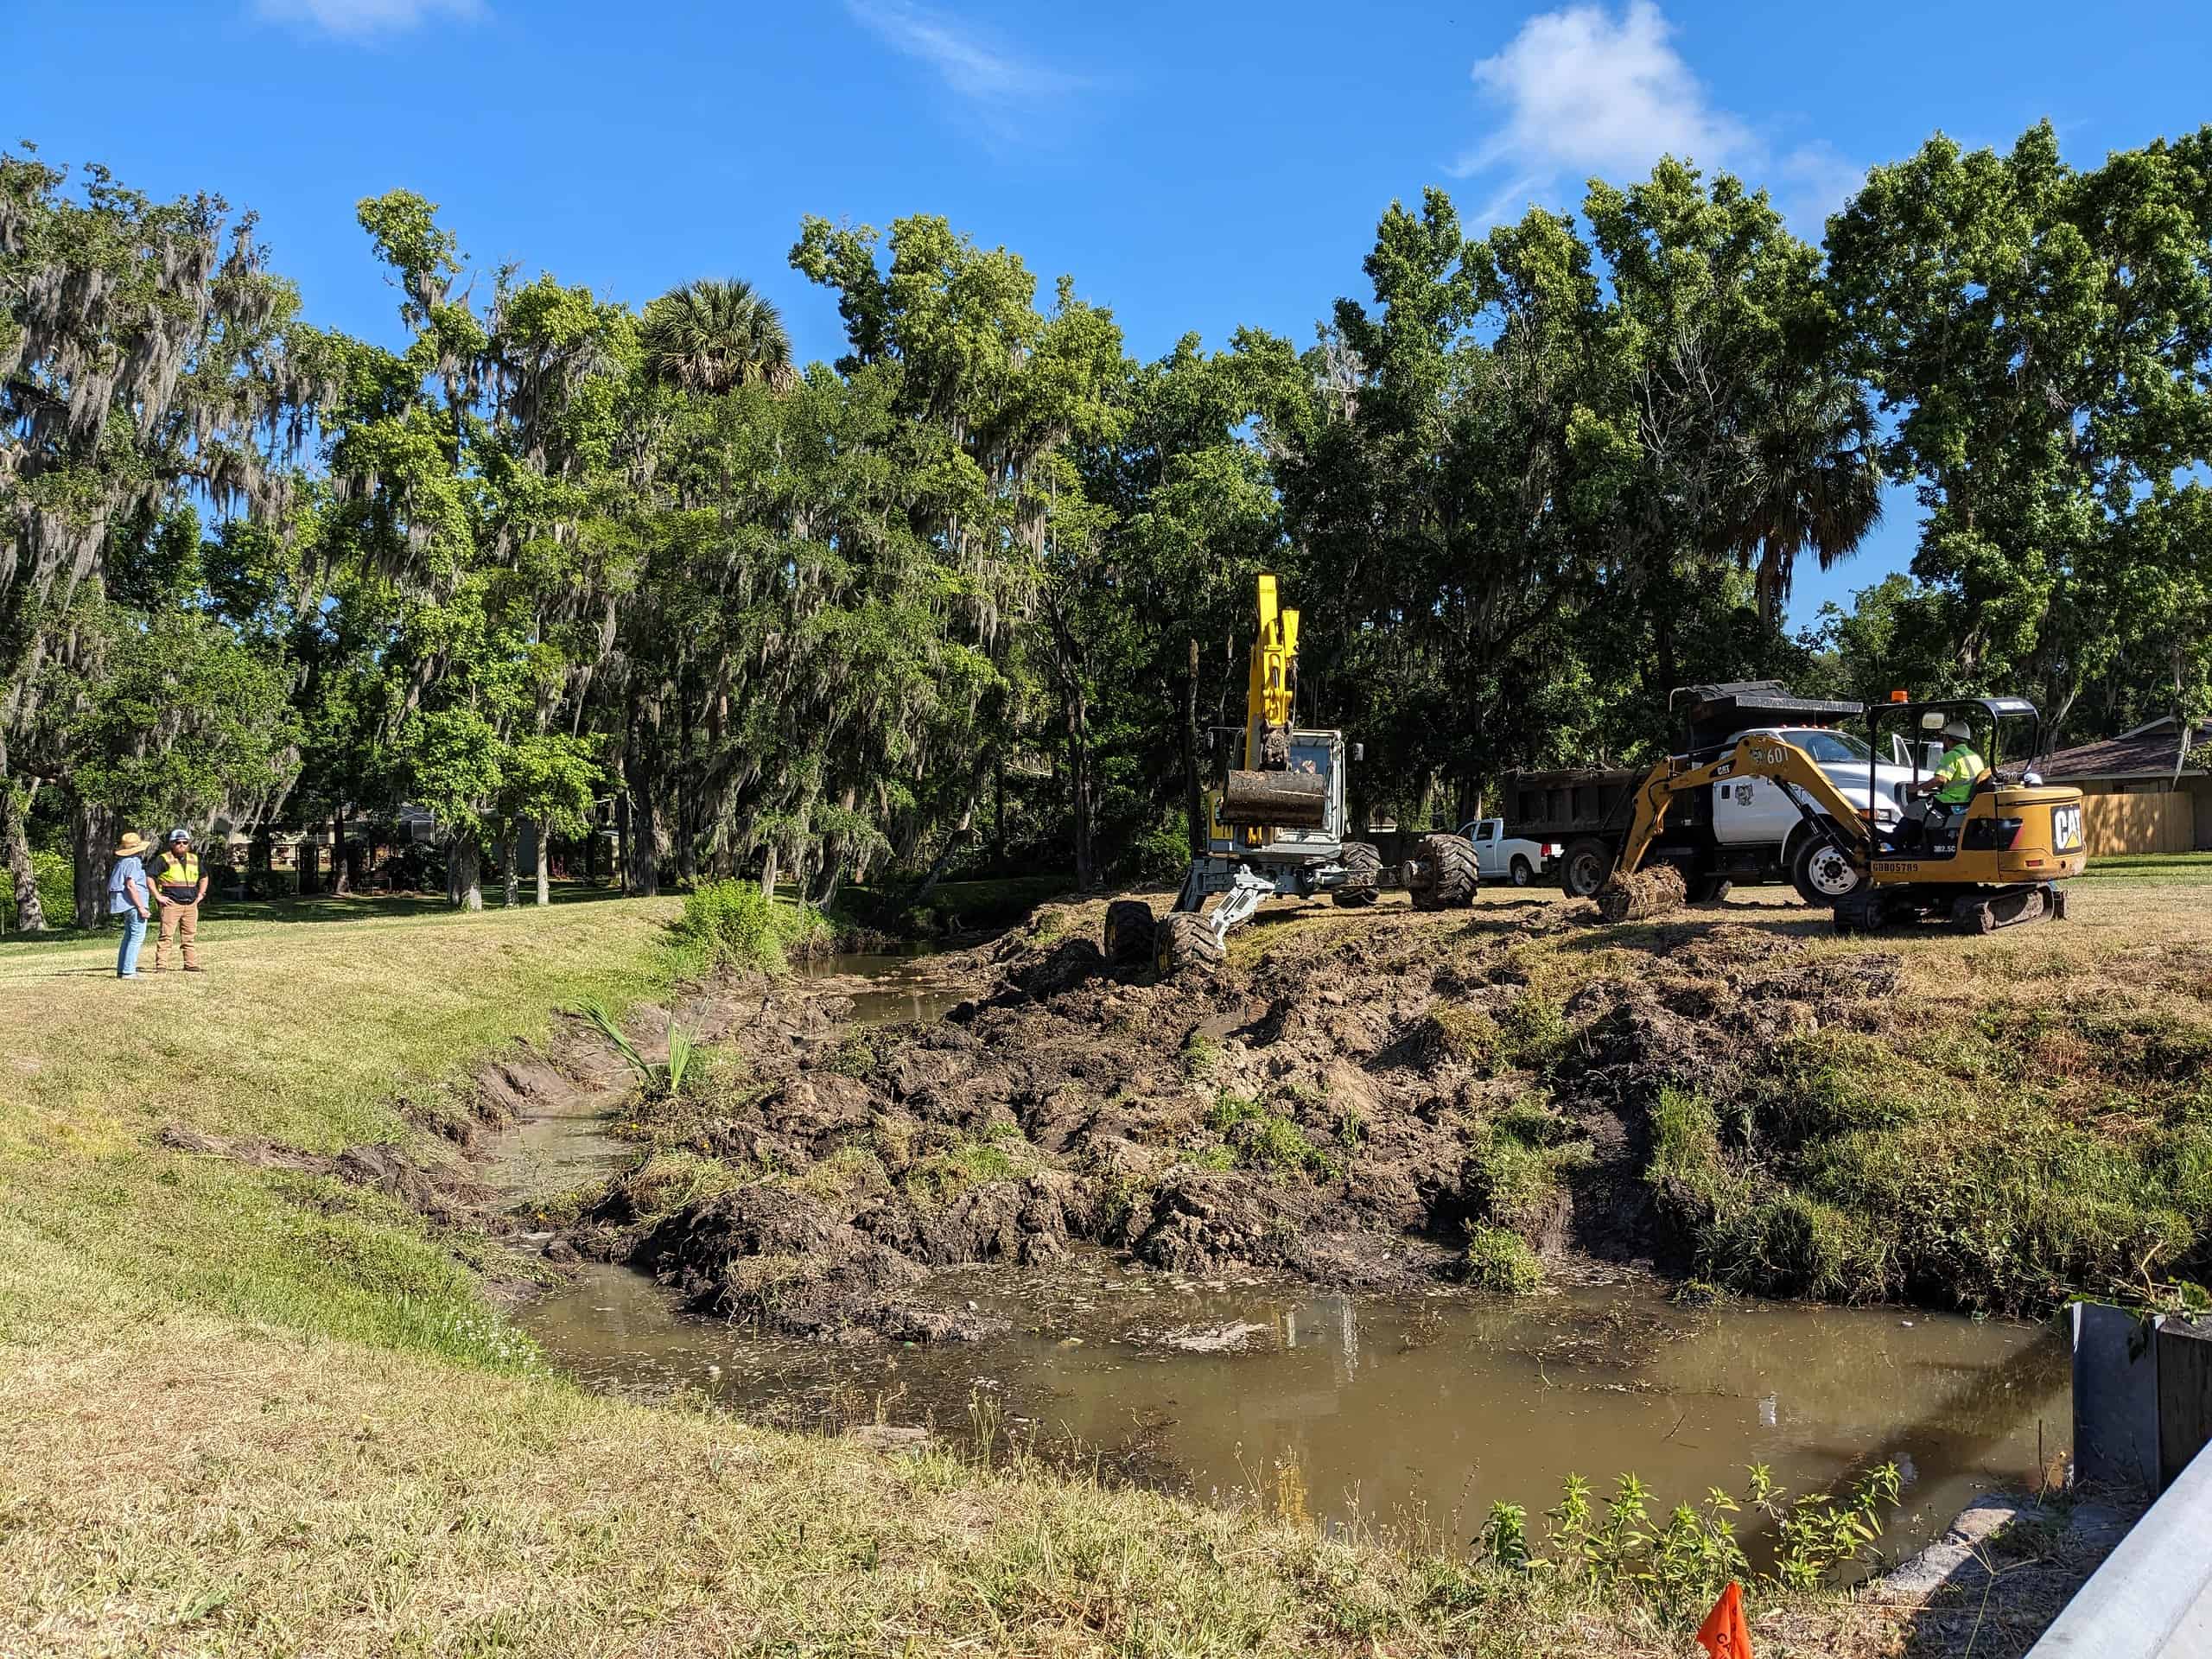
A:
(2146, 752)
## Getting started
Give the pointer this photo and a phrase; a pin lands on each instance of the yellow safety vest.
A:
(1959, 772)
(178, 878)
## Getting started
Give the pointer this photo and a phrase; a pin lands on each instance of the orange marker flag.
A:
(1724, 1635)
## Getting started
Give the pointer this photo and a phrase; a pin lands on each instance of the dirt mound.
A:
(1349, 1107)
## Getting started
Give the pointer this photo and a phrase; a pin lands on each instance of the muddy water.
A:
(1397, 1407)
(1389, 1406)
(899, 987)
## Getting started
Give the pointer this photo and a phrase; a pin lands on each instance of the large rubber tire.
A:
(1822, 876)
(1454, 875)
(1706, 889)
(1522, 871)
(1362, 861)
(1183, 943)
(1130, 929)
(1584, 866)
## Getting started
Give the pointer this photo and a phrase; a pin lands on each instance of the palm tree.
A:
(1813, 483)
(711, 336)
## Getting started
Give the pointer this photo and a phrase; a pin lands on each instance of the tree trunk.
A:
(687, 807)
(1086, 874)
(544, 865)
(1194, 794)
(467, 867)
(452, 872)
(768, 873)
(622, 843)
(998, 817)
(92, 835)
(341, 870)
(509, 878)
(645, 838)
(15, 808)
(304, 866)
(834, 874)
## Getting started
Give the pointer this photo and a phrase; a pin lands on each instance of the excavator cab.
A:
(1991, 861)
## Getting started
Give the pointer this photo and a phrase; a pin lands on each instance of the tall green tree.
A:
(2041, 338)
(144, 361)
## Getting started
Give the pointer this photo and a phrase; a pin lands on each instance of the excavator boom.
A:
(1634, 894)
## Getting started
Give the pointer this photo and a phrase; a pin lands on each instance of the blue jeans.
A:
(126, 954)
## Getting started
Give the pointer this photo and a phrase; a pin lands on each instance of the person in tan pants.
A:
(180, 884)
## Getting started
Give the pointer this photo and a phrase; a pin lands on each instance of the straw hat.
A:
(133, 844)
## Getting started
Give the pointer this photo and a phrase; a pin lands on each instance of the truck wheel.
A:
(1129, 931)
(1706, 889)
(1183, 943)
(1363, 864)
(1451, 873)
(1522, 875)
(1821, 874)
(1584, 867)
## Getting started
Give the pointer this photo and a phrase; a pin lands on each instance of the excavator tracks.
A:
(1984, 910)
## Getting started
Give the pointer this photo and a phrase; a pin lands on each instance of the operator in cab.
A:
(1953, 781)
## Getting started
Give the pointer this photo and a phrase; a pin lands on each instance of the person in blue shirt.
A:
(129, 895)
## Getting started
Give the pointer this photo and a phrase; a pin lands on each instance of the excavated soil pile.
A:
(1347, 1109)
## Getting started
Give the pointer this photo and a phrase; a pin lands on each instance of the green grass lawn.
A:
(253, 1413)
(2149, 867)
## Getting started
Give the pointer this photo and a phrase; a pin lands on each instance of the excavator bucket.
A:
(1285, 800)
(1639, 898)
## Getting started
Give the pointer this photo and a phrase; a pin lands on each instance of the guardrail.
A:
(2143, 1416)
(2152, 1597)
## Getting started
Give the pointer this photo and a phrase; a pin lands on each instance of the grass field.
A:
(248, 1411)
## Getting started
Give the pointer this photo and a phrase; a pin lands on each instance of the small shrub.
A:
(729, 924)
(1159, 857)
(1499, 1259)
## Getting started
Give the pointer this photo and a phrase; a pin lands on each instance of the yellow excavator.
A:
(1278, 821)
(1991, 861)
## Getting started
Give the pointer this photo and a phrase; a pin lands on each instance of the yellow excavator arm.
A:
(1755, 755)
(1268, 688)
(1267, 793)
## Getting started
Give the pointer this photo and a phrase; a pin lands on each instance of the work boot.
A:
(193, 968)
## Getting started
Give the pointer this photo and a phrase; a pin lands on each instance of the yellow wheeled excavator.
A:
(1277, 824)
(1994, 859)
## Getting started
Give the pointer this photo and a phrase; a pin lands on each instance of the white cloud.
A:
(996, 80)
(1581, 92)
(359, 19)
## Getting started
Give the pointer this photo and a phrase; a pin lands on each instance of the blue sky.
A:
(1194, 166)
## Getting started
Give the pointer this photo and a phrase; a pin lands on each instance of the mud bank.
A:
(1381, 1102)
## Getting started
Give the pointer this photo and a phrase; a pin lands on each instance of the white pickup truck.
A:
(1501, 857)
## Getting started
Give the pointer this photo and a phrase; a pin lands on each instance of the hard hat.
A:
(1958, 729)
(178, 834)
